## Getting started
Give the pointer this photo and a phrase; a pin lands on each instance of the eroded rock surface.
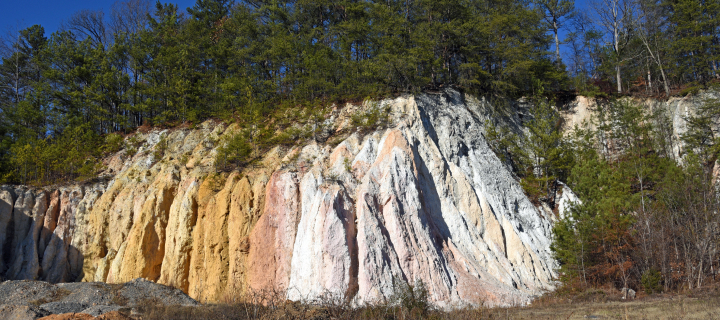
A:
(421, 200)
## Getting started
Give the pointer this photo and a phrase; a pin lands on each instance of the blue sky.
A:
(51, 13)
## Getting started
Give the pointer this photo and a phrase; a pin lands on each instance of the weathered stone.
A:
(7, 200)
(209, 261)
(178, 243)
(273, 238)
(102, 309)
(59, 307)
(424, 199)
(26, 261)
(248, 199)
(628, 293)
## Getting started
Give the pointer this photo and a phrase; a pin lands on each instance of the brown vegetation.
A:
(591, 304)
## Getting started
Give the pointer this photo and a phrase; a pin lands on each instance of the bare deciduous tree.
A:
(556, 13)
(615, 16)
(129, 16)
(88, 23)
(648, 28)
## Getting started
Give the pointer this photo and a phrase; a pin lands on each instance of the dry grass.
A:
(679, 307)
(590, 304)
(296, 310)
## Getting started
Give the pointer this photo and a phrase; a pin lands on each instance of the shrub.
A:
(412, 299)
(691, 89)
(131, 146)
(235, 151)
(371, 119)
(113, 143)
(650, 280)
(160, 148)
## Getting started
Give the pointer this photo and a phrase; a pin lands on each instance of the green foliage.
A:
(347, 164)
(216, 181)
(702, 137)
(371, 119)
(691, 89)
(40, 161)
(131, 146)
(548, 159)
(651, 281)
(160, 149)
(503, 143)
(113, 143)
(263, 64)
(642, 213)
(235, 151)
(541, 157)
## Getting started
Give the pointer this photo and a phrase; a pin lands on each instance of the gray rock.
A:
(59, 307)
(96, 298)
(98, 310)
(87, 293)
(26, 292)
(141, 290)
(628, 293)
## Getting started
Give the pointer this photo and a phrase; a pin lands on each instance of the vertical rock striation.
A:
(423, 200)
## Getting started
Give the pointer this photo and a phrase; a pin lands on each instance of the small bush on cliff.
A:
(375, 117)
(113, 143)
(235, 151)
(160, 149)
(541, 157)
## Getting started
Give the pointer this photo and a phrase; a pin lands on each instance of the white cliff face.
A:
(580, 112)
(566, 200)
(423, 200)
(431, 203)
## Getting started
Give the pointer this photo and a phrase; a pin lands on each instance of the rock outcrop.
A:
(676, 110)
(423, 199)
(27, 300)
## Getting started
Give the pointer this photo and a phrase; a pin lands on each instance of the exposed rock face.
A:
(422, 200)
(677, 109)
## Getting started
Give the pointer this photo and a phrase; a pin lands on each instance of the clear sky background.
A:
(20, 14)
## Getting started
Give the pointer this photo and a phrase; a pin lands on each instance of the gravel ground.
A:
(29, 300)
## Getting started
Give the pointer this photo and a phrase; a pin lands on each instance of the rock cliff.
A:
(676, 110)
(421, 199)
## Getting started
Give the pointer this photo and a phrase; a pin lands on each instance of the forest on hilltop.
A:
(254, 61)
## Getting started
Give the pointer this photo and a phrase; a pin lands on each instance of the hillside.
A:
(424, 199)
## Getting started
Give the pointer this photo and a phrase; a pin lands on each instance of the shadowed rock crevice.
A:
(40, 226)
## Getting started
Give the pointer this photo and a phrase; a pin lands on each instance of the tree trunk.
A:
(557, 42)
(617, 77)
(665, 83)
(616, 46)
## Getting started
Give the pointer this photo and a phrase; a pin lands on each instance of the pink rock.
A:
(273, 238)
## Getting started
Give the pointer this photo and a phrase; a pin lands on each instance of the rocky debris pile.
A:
(27, 299)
